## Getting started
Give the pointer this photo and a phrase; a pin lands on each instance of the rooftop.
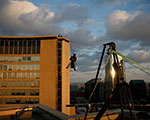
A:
(42, 112)
(32, 37)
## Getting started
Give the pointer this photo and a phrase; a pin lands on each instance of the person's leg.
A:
(74, 67)
(68, 65)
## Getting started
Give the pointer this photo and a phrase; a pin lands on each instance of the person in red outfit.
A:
(73, 60)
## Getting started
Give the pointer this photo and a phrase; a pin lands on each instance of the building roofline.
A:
(32, 37)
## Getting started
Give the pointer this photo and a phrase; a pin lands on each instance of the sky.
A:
(88, 24)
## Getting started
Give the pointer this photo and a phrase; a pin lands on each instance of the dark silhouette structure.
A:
(99, 91)
(138, 90)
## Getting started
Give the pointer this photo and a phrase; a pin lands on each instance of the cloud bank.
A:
(25, 18)
(126, 26)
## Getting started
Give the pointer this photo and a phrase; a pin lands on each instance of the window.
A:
(4, 84)
(28, 75)
(11, 47)
(31, 92)
(59, 68)
(33, 75)
(10, 67)
(9, 59)
(59, 52)
(23, 92)
(1, 75)
(6, 46)
(18, 75)
(59, 60)
(18, 67)
(1, 59)
(37, 67)
(59, 84)
(37, 92)
(1, 46)
(15, 75)
(28, 67)
(38, 46)
(32, 84)
(59, 44)
(37, 83)
(19, 59)
(5, 75)
(5, 67)
(20, 46)
(24, 59)
(33, 46)
(35, 59)
(13, 84)
(17, 100)
(29, 47)
(37, 75)
(1, 66)
(24, 84)
(9, 75)
(27, 92)
(24, 67)
(24, 47)
(28, 59)
(59, 76)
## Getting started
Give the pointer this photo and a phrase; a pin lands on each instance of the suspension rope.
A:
(72, 50)
(141, 66)
(138, 68)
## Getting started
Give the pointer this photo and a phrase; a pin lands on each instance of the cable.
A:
(138, 68)
(72, 50)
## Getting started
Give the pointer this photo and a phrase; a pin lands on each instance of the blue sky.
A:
(88, 24)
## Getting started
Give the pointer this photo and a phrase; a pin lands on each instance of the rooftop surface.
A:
(42, 112)
(32, 37)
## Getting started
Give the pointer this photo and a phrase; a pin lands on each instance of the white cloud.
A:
(73, 12)
(25, 18)
(140, 56)
(81, 38)
(135, 74)
(126, 26)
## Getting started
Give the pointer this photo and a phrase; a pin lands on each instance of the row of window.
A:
(18, 92)
(19, 59)
(19, 100)
(19, 83)
(19, 46)
(10, 67)
(19, 75)
(59, 76)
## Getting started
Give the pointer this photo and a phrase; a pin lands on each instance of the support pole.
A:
(99, 66)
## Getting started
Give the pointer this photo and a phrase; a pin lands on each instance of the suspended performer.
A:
(73, 60)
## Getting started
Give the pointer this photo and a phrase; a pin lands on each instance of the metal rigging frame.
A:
(121, 85)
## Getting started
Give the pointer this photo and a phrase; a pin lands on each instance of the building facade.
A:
(138, 90)
(33, 71)
(98, 95)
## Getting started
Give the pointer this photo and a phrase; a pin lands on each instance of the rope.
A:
(141, 66)
(138, 68)
(72, 50)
